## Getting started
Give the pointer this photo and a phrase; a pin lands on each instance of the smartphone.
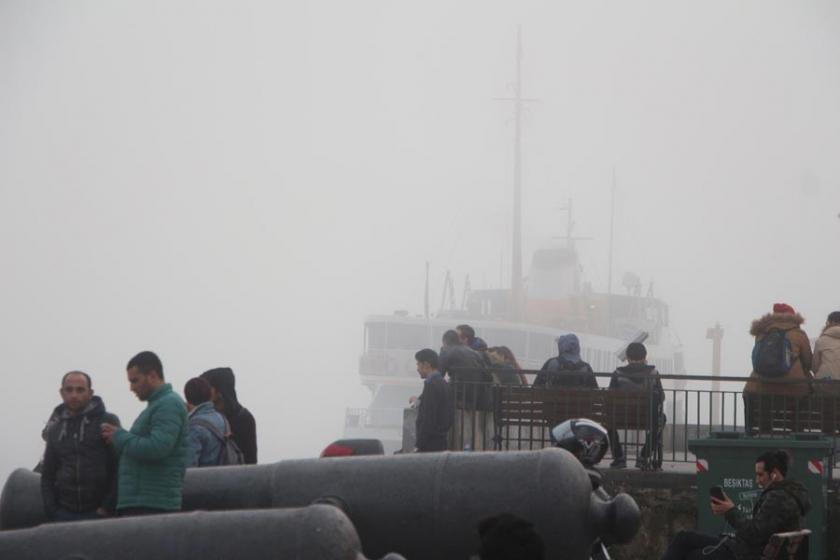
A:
(717, 493)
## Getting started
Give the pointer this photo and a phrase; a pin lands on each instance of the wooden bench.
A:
(787, 546)
(526, 414)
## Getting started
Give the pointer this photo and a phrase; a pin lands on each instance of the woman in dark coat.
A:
(242, 424)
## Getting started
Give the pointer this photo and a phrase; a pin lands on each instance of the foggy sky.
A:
(241, 183)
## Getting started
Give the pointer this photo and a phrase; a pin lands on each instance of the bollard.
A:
(313, 533)
(419, 505)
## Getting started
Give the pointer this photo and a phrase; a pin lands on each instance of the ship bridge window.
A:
(407, 337)
(377, 336)
(390, 336)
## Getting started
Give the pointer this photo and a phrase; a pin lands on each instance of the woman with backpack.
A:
(782, 351)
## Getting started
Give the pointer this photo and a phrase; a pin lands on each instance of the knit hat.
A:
(783, 308)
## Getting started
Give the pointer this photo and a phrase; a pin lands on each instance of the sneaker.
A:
(643, 464)
(619, 464)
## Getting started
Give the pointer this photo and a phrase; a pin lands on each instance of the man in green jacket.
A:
(780, 509)
(154, 453)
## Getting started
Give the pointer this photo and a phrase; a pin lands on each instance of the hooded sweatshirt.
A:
(637, 377)
(779, 509)
(567, 369)
(79, 471)
(243, 427)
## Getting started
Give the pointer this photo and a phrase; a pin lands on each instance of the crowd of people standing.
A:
(466, 358)
(92, 467)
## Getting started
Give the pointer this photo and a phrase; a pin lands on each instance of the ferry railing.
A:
(361, 418)
(492, 416)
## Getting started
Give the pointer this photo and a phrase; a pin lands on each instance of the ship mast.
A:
(516, 268)
(516, 287)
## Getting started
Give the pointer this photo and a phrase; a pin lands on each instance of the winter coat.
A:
(79, 470)
(205, 447)
(561, 373)
(637, 377)
(566, 369)
(800, 348)
(435, 414)
(478, 344)
(154, 454)
(826, 363)
(779, 509)
(506, 374)
(243, 427)
(471, 395)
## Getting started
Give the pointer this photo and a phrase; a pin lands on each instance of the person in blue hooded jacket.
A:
(204, 423)
(567, 369)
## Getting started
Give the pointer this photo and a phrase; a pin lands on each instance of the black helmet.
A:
(585, 439)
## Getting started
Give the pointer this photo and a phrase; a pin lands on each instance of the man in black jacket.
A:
(467, 370)
(79, 471)
(467, 366)
(780, 509)
(243, 427)
(436, 411)
(637, 375)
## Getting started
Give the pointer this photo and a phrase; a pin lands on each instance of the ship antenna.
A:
(426, 297)
(446, 283)
(612, 224)
(519, 102)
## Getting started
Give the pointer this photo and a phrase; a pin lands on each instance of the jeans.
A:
(615, 445)
(690, 545)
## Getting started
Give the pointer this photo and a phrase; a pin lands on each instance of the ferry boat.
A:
(556, 302)
(527, 318)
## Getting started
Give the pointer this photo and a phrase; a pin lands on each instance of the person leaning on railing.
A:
(506, 370)
(467, 367)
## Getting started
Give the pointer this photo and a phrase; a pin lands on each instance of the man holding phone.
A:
(780, 508)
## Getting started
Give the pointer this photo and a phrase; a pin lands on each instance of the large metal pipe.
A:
(317, 532)
(419, 505)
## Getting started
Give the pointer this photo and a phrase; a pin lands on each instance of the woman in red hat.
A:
(784, 319)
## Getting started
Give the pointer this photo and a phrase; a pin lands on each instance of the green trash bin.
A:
(727, 459)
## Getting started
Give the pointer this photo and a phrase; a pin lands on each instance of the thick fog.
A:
(240, 183)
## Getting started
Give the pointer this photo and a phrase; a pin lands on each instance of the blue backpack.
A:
(772, 355)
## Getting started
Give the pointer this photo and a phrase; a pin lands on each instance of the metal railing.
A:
(655, 425)
(379, 418)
